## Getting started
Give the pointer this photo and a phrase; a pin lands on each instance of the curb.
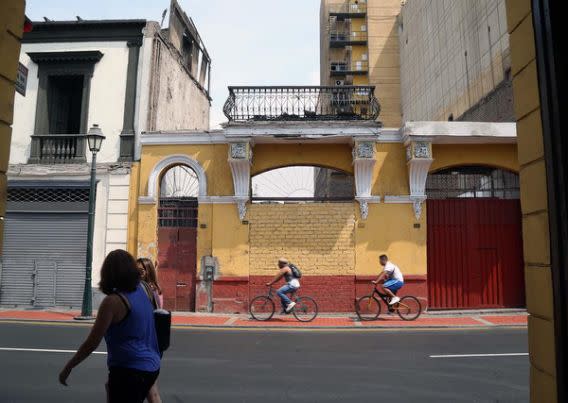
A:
(355, 327)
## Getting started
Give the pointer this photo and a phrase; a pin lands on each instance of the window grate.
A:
(178, 212)
(473, 182)
(47, 195)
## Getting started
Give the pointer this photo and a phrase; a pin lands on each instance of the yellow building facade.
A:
(231, 249)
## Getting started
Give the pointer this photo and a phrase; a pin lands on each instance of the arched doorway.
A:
(474, 239)
(177, 237)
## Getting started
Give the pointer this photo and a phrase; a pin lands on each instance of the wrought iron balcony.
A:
(296, 103)
(343, 68)
(344, 11)
(339, 39)
(57, 149)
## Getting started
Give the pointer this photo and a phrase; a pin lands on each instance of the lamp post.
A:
(94, 140)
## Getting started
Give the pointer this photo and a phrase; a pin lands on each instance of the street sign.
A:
(22, 79)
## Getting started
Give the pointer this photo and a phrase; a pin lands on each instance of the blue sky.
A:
(251, 42)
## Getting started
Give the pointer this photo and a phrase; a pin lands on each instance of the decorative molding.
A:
(364, 163)
(164, 164)
(460, 132)
(397, 199)
(364, 204)
(146, 200)
(240, 161)
(127, 134)
(85, 31)
(216, 200)
(91, 56)
(418, 167)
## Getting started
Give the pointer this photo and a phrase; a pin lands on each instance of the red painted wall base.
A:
(332, 293)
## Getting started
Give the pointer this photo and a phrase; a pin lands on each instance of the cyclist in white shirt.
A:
(390, 280)
(292, 285)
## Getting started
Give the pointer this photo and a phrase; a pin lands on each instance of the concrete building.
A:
(359, 46)
(127, 76)
(455, 61)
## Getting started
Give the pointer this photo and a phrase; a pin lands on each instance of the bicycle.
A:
(368, 307)
(262, 307)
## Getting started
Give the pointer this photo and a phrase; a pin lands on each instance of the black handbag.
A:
(162, 320)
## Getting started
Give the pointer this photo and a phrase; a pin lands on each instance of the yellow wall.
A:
(213, 159)
(324, 238)
(11, 26)
(495, 155)
(319, 237)
(389, 229)
(390, 176)
(269, 156)
(384, 58)
(534, 203)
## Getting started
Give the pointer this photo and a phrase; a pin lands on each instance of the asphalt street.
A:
(283, 366)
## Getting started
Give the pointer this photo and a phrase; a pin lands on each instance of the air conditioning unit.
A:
(339, 82)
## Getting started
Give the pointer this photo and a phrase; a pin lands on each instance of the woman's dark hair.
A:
(150, 276)
(119, 273)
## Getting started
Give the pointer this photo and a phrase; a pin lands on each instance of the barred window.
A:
(48, 195)
(473, 182)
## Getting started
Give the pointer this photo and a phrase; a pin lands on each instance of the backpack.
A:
(295, 270)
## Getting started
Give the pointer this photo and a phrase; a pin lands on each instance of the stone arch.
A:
(166, 163)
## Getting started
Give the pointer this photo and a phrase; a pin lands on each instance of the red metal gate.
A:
(177, 253)
(475, 254)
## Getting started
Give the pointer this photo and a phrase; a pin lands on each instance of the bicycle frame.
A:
(384, 298)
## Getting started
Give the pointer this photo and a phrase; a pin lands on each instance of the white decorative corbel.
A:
(419, 159)
(240, 159)
(364, 164)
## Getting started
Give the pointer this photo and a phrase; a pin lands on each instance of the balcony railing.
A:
(296, 103)
(57, 149)
(342, 68)
(339, 39)
(352, 10)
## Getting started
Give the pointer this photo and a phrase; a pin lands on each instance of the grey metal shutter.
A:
(43, 259)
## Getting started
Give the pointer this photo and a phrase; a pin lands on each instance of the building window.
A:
(62, 105)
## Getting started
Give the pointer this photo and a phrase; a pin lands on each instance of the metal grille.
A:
(293, 103)
(178, 212)
(47, 195)
(473, 182)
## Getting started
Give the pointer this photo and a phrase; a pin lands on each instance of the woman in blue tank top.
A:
(126, 320)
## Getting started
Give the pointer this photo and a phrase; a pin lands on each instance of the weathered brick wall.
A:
(318, 237)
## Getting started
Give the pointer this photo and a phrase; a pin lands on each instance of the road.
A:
(283, 366)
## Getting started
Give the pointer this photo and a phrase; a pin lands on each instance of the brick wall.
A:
(318, 237)
(497, 106)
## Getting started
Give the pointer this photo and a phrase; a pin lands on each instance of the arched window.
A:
(472, 182)
(302, 183)
(179, 188)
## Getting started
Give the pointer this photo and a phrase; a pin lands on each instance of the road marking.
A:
(45, 350)
(363, 329)
(230, 321)
(479, 355)
(485, 322)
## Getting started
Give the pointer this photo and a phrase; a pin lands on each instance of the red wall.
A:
(332, 293)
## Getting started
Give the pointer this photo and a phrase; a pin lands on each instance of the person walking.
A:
(148, 274)
(126, 321)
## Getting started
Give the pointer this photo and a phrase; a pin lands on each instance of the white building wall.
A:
(106, 100)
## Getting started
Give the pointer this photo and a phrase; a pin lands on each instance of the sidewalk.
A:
(330, 321)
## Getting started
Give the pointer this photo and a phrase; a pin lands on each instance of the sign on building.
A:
(22, 79)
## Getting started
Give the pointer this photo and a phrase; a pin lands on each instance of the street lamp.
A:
(94, 140)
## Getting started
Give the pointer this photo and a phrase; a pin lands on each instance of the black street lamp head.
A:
(95, 138)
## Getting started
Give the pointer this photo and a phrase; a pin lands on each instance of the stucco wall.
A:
(106, 102)
(177, 101)
(534, 204)
(437, 77)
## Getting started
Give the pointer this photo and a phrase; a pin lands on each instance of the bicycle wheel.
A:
(368, 308)
(261, 308)
(305, 309)
(409, 308)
